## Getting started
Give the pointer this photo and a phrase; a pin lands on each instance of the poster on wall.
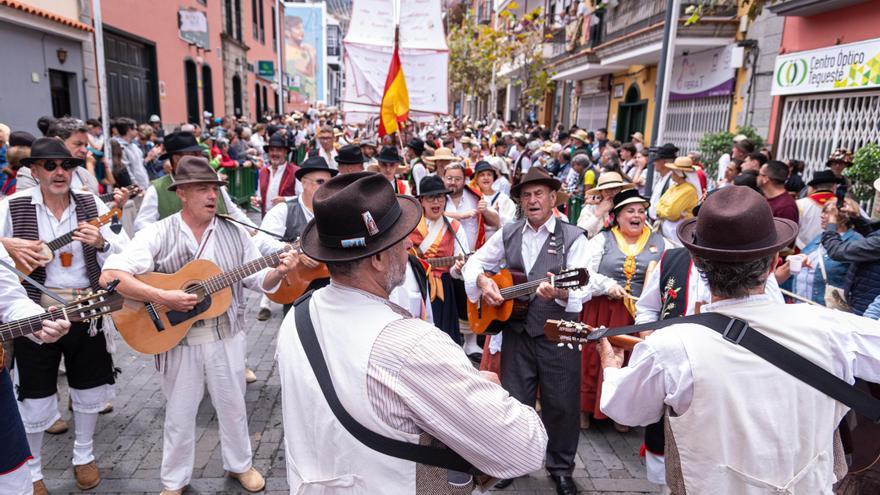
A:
(701, 74)
(193, 27)
(304, 52)
(836, 68)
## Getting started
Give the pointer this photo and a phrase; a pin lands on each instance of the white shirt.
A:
(438, 228)
(505, 207)
(275, 221)
(649, 304)
(330, 157)
(466, 202)
(419, 172)
(409, 297)
(659, 371)
(501, 184)
(275, 174)
(50, 228)
(140, 257)
(491, 257)
(15, 305)
(149, 211)
(257, 142)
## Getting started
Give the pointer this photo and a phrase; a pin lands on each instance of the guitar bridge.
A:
(157, 322)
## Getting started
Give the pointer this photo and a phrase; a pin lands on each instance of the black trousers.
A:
(529, 362)
(86, 359)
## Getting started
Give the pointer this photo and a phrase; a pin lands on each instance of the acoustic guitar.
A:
(152, 328)
(571, 333)
(515, 288)
(445, 261)
(296, 281)
(50, 247)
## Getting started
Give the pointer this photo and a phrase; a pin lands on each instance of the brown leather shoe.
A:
(87, 476)
(40, 488)
(251, 480)
(58, 427)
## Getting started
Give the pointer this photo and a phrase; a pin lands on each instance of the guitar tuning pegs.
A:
(580, 347)
(561, 344)
(570, 346)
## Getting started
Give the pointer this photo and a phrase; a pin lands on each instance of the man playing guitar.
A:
(537, 245)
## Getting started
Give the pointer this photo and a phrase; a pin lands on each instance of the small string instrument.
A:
(515, 287)
(296, 281)
(133, 192)
(49, 248)
(571, 333)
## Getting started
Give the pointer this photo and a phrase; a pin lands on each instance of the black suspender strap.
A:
(738, 332)
(431, 456)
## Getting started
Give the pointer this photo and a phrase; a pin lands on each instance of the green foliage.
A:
(864, 171)
(713, 145)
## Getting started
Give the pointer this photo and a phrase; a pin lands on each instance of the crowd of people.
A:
(405, 238)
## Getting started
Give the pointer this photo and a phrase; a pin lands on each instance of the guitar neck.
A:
(106, 197)
(442, 262)
(60, 242)
(523, 289)
(27, 326)
(226, 279)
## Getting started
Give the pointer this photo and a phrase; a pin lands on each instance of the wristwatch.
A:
(106, 246)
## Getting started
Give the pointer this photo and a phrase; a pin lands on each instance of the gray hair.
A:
(65, 126)
(581, 159)
(734, 279)
(344, 268)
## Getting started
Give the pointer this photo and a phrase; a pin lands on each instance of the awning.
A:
(586, 71)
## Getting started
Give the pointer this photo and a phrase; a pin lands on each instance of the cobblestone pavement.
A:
(128, 441)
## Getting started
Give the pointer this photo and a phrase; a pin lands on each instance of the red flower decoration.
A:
(672, 294)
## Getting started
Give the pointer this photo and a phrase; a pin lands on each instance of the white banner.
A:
(836, 68)
(706, 73)
(372, 23)
(366, 68)
(421, 24)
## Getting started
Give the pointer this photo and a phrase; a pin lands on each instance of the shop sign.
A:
(193, 27)
(841, 67)
(706, 73)
(265, 68)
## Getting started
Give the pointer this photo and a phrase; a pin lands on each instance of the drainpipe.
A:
(102, 79)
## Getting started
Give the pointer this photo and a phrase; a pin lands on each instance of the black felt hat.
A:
(314, 164)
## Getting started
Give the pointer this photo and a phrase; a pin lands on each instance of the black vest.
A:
(296, 220)
(24, 226)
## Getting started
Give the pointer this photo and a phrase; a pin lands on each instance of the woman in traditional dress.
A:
(678, 202)
(620, 260)
(438, 240)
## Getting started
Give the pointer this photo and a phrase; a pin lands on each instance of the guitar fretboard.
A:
(27, 326)
(523, 289)
(225, 279)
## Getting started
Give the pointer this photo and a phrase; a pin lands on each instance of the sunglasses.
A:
(51, 165)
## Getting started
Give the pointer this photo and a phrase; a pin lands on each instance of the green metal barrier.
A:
(573, 208)
(242, 184)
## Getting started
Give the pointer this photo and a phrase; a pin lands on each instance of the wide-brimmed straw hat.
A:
(358, 215)
(610, 180)
(535, 175)
(682, 164)
(194, 170)
(49, 149)
(638, 136)
(442, 155)
(580, 135)
(736, 224)
(840, 155)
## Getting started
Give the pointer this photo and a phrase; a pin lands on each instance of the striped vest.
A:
(228, 254)
(24, 226)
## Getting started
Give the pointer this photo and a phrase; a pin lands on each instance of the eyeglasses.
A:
(51, 165)
(434, 199)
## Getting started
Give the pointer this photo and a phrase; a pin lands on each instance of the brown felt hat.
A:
(736, 224)
(535, 175)
(358, 215)
(194, 170)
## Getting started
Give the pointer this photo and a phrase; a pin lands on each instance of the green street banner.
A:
(836, 68)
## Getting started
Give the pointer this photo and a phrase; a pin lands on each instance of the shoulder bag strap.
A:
(432, 456)
(738, 332)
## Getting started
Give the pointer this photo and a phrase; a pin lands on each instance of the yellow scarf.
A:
(629, 264)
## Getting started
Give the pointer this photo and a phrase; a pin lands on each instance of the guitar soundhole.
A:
(175, 317)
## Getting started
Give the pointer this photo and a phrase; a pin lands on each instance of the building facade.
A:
(50, 63)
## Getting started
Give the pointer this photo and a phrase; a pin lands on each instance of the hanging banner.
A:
(193, 27)
(706, 73)
(836, 68)
(304, 52)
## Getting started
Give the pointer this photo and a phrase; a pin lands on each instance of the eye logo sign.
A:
(792, 73)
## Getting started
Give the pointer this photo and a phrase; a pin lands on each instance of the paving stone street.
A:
(128, 441)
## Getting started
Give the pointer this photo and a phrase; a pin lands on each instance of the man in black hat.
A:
(34, 217)
(213, 351)
(395, 375)
(159, 202)
(389, 164)
(277, 182)
(74, 133)
(537, 244)
(730, 411)
(351, 159)
(288, 220)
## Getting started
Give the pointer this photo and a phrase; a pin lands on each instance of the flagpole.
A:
(399, 137)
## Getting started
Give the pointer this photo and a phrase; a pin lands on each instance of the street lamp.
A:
(61, 53)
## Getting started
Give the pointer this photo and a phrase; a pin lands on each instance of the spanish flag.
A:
(395, 100)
